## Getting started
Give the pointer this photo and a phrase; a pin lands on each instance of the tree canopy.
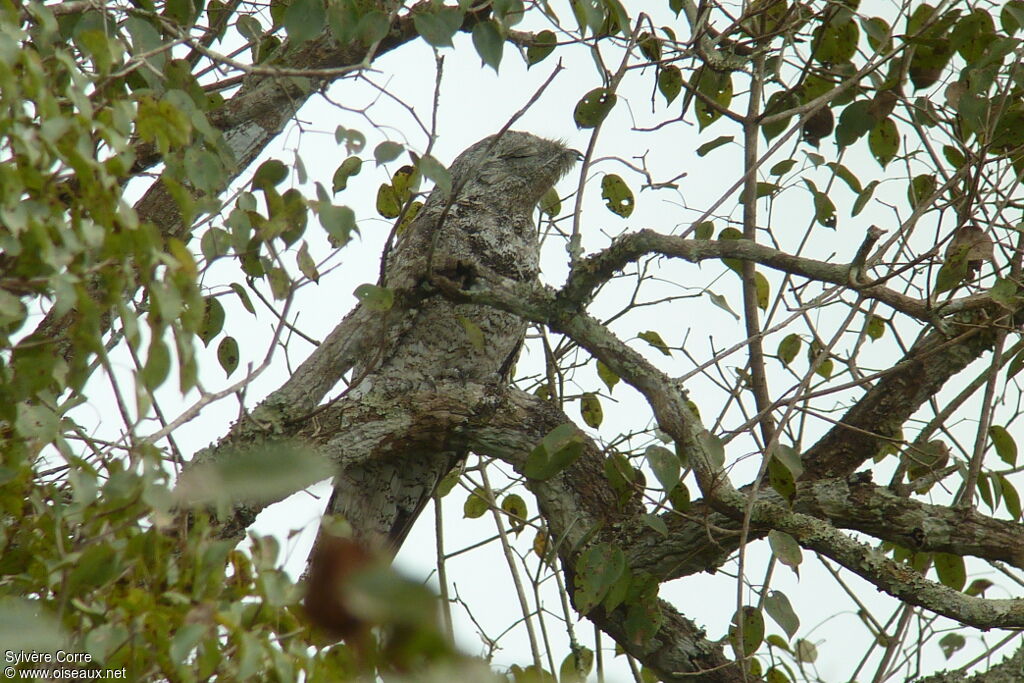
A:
(776, 335)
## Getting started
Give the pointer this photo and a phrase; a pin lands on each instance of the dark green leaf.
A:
(543, 45)
(592, 109)
(213, 320)
(555, 452)
(884, 141)
(778, 607)
(753, 630)
(270, 173)
(348, 168)
(855, 121)
(670, 83)
(489, 43)
(786, 550)
(304, 19)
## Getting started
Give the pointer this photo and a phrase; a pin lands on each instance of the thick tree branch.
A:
(593, 271)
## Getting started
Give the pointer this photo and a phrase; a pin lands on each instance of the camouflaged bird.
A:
(488, 226)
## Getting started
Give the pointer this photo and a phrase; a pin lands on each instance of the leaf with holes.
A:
(592, 109)
(617, 195)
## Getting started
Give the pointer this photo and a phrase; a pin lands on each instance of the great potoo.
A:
(488, 226)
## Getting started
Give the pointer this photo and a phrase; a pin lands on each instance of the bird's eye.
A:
(515, 155)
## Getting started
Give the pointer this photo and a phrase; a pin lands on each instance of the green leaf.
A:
(714, 144)
(304, 19)
(665, 466)
(435, 171)
(388, 204)
(762, 290)
(753, 630)
(951, 643)
(437, 28)
(375, 298)
(514, 505)
(789, 457)
(884, 141)
(387, 151)
(863, 198)
(227, 354)
(835, 41)
(781, 479)
(576, 665)
(607, 376)
(473, 333)
(306, 264)
(670, 83)
(348, 168)
(338, 222)
(204, 170)
(714, 447)
(216, 242)
(855, 122)
(778, 607)
(477, 504)
(270, 173)
(655, 340)
(874, 327)
(721, 302)
(783, 167)
(213, 320)
(805, 651)
(846, 176)
(590, 410)
(921, 188)
(1005, 293)
(1005, 446)
(617, 195)
(597, 570)
(280, 283)
(488, 43)
(556, 451)
(951, 570)
(718, 88)
(158, 364)
(704, 231)
(824, 209)
(1015, 365)
(592, 109)
(259, 473)
(542, 46)
(243, 297)
(1010, 497)
(789, 347)
(786, 550)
